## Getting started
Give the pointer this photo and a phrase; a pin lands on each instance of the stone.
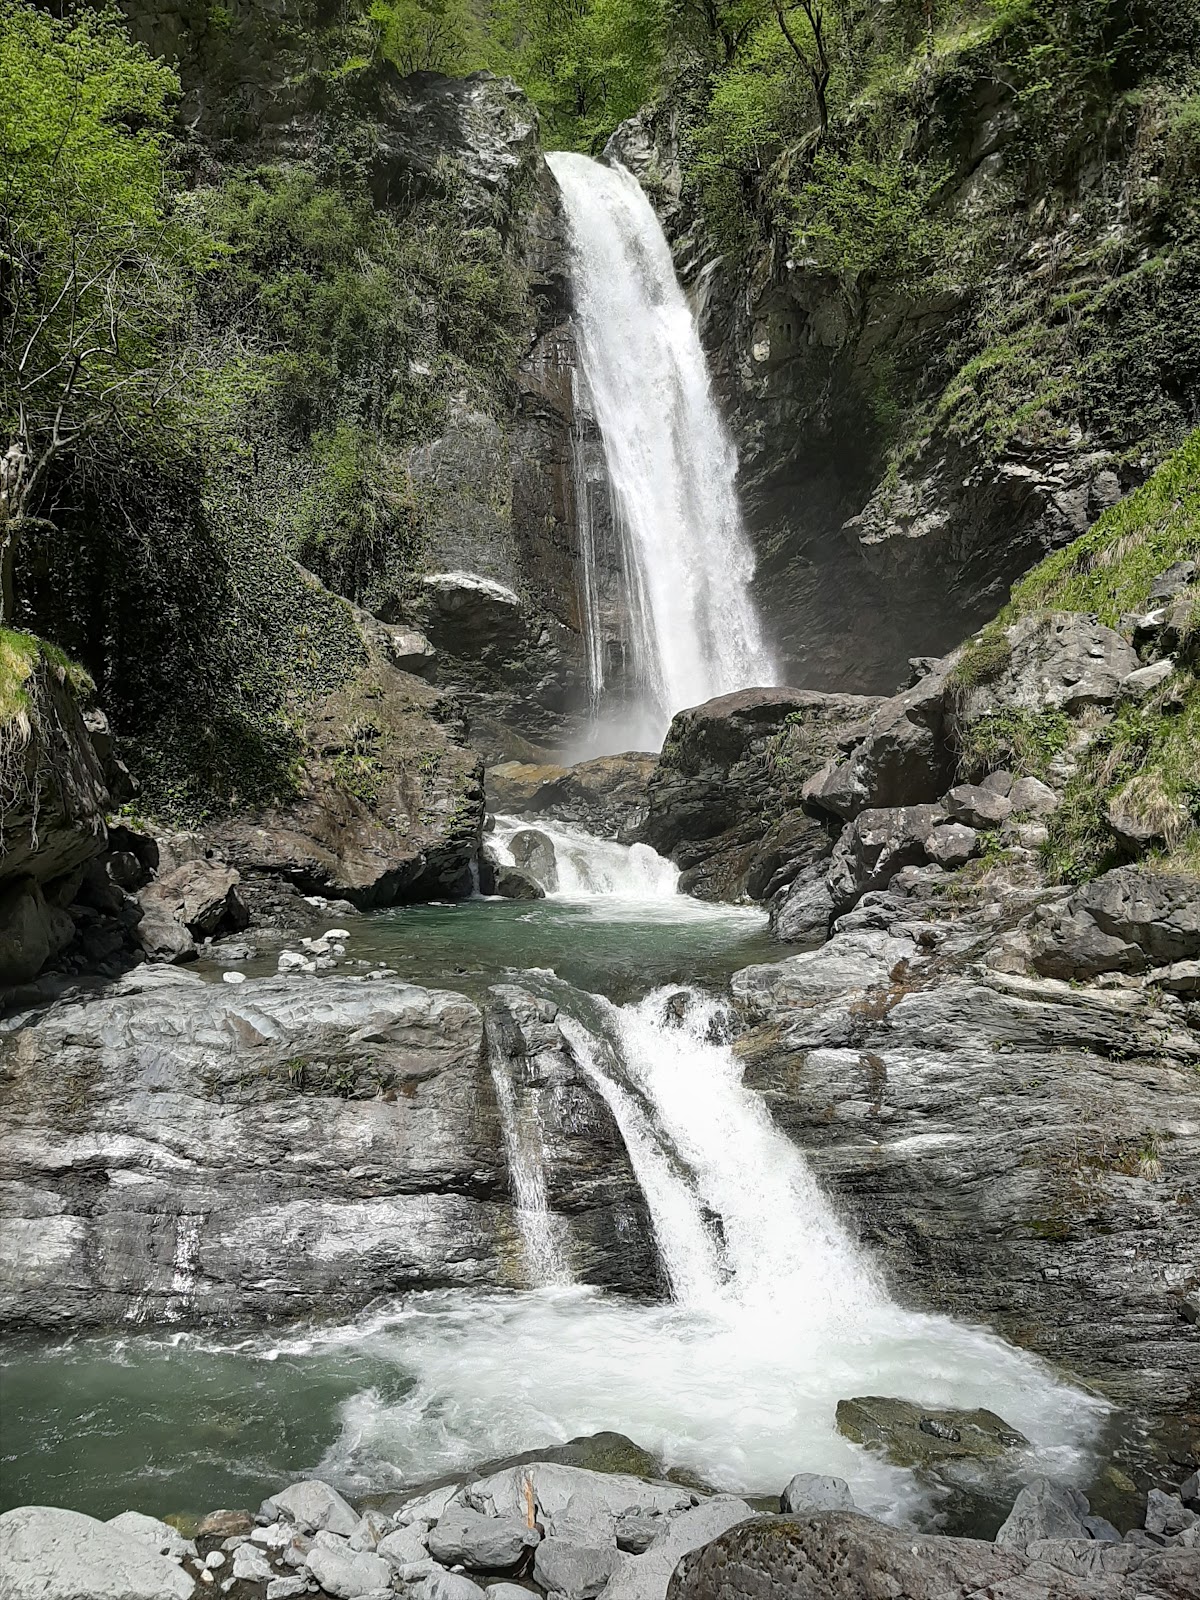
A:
(462, 1537)
(32, 931)
(372, 1527)
(449, 1586)
(201, 895)
(286, 1588)
(316, 1508)
(404, 1545)
(348, 1573)
(426, 1508)
(1141, 683)
(1032, 797)
(51, 1554)
(1181, 977)
(875, 846)
(411, 651)
(839, 1555)
(1189, 1491)
(1001, 782)
(575, 1571)
(1173, 581)
(1167, 1514)
(1124, 921)
(533, 851)
(1043, 1510)
(636, 1533)
(952, 845)
(511, 883)
(649, 1577)
(160, 1537)
(250, 1565)
(586, 1503)
(801, 912)
(812, 1491)
(506, 1591)
(215, 1558)
(1102, 1529)
(162, 936)
(977, 806)
(1059, 660)
(912, 1435)
(465, 613)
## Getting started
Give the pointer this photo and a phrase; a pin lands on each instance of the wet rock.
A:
(801, 913)
(577, 1572)
(51, 1554)
(977, 806)
(347, 1573)
(512, 883)
(1044, 1510)
(221, 1524)
(913, 1435)
(462, 1537)
(811, 1491)
(533, 851)
(875, 846)
(316, 1508)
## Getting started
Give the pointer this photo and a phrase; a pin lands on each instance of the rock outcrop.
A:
(186, 1151)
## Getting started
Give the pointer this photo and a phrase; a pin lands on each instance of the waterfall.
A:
(525, 1150)
(742, 1226)
(671, 463)
(591, 868)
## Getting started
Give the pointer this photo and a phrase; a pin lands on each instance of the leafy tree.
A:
(89, 250)
(426, 35)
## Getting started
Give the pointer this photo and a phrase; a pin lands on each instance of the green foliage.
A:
(1111, 569)
(1023, 742)
(984, 658)
(426, 35)
(91, 255)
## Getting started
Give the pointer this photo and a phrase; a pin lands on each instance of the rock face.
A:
(184, 1151)
(390, 803)
(1127, 920)
(45, 1551)
(723, 801)
(1013, 1149)
(606, 796)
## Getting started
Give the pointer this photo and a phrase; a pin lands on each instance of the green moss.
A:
(18, 658)
(984, 658)
(1112, 568)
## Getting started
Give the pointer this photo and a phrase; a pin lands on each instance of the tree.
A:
(424, 35)
(816, 63)
(90, 253)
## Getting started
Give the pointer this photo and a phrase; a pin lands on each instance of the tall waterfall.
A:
(685, 557)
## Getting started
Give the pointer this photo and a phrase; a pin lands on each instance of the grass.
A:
(1112, 568)
(1024, 742)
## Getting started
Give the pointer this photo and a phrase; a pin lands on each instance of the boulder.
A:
(448, 1586)
(636, 1532)
(875, 846)
(224, 1524)
(158, 1536)
(977, 806)
(1140, 684)
(952, 845)
(648, 1577)
(1181, 977)
(349, 1573)
(411, 651)
(1032, 797)
(50, 1554)
(162, 937)
(1125, 921)
(518, 787)
(202, 895)
(32, 931)
(1061, 660)
(533, 852)
(838, 1555)
(316, 1508)
(462, 1537)
(724, 800)
(467, 615)
(801, 913)
(813, 1491)
(510, 883)
(574, 1499)
(912, 1435)
(1167, 1514)
(1044, 1510)
(405, 1545)
(250, 1565)
(575, 1571)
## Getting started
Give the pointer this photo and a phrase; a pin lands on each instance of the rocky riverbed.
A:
(543, 1526)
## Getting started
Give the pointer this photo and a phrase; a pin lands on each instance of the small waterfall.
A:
(591, 868)
(742, 1225)
(525, 1149)
(694, 629)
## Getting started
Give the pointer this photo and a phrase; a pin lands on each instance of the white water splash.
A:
(590, 868)
(671, 462)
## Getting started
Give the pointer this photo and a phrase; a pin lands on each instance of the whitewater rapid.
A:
(685, 558)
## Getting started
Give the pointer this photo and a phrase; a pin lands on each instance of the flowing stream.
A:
(685, 560)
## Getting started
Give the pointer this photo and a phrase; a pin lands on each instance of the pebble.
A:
(215, 1558)
(234, 977)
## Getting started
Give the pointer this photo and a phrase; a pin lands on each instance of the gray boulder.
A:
(813, 1491)
(952, 845)
(464, 613)
(50, 1554)
(449, 1586)
(801, 913)
(349, 1573)
(162, 936)
(636, 1533)
(158, 1536)
(405, 1545)
(977, 806)
(875, 846)
(533, 852)
(1063, 660)
(202, 895)
(1126, 921)
(575, 1571)
(1167, 1514)
(250, 1565)
(316, 1508)
(1044, 1510)
(573, 1500)
(467, 1538)
(1032, 797)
